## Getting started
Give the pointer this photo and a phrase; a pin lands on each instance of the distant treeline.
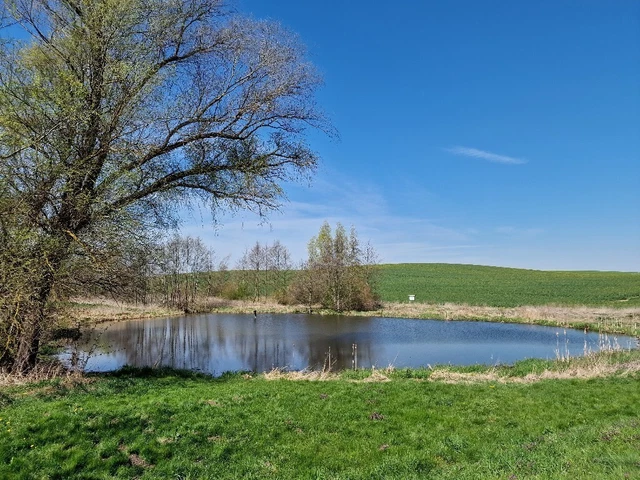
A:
(183, 272)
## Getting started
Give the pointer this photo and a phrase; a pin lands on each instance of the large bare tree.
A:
(114, 111)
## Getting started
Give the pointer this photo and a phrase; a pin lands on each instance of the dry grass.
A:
(306, 375)
(99, 310)
(561, 314)
(376, 376)
(220, 305)
(43, 371)
(325, 375)
(609, 362)
(593, 366)
(582, 372)
(605, 319)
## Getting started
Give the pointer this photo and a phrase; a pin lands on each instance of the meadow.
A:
(505, 423)
(506, 287)
(541, 419)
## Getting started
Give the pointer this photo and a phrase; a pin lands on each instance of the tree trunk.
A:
(34, 316)
(32, 311)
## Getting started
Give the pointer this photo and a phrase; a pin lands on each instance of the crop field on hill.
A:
(506, 287)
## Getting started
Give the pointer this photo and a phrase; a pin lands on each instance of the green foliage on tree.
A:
(113, 112)
(339, 274)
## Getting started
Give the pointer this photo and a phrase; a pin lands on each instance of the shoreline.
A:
(80, 314)
(622, 321)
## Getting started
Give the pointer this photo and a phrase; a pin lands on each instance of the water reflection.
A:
(218, 343)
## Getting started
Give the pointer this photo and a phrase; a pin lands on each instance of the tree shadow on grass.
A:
(166, 373)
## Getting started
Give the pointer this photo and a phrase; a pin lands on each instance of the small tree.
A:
(342, 278)
(265, 269)
(279, 270)
(182, 266)
(305, 288)
(217, 277)
(254, 266)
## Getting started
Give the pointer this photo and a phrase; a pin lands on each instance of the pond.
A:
(215, 343)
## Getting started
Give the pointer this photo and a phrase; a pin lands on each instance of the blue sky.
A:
(486, 132)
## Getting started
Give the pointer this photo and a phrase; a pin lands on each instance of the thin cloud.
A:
(491, 157)
(519, 231)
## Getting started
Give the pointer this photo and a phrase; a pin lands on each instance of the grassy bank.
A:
(507, 287)
(444, 423)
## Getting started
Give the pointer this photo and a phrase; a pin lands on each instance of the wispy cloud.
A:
(519, 231)
(491, 157)
(405, 236)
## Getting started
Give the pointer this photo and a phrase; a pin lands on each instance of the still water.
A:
(216, 343)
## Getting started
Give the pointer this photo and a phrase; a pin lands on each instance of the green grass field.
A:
(506, 287)
(454, 283)
(177, 425)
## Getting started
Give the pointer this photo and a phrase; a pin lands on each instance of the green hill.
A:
(506, 287)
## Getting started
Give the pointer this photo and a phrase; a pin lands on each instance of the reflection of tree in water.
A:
(341, 352)
(216, 343)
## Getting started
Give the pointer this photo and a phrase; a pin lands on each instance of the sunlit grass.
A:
(416, 424)
(507, 287)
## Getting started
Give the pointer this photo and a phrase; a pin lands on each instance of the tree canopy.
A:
(114, 111)
(339, 274)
